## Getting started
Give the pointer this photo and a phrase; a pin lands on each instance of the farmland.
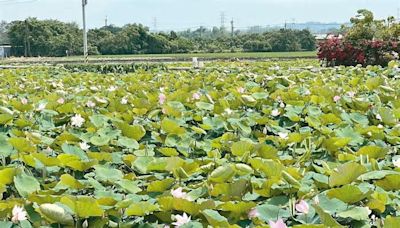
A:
(233, 145)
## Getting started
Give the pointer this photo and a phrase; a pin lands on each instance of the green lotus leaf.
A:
(326, 218)
(26, 185)
(389, 182)
(222, 174)
(242, 147)
(171, 127)
(107, 174)
(376, 175)
(135, 131)
(55, 214)
(346, 174)
(215, 219)
(161, 185)
(270, 212)
(83, 206)
(372, 151)
(128, 143)
(141, 209)
(6, 118)
(205, 106)
(348, 194)
(392, 222)
(22, 145)
(356, 213)
(129, 186)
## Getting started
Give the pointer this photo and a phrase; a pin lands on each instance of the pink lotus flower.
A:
(18, 214)
(253, 213)
(302, 207)
(278, 224)
(24, 101)
(196, 96)
(336, 98)
(351, 94)
(181, 220)
(61, 100)
(240, 90)
(162, 98)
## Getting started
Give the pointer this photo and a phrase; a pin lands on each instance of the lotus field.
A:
(286, 144)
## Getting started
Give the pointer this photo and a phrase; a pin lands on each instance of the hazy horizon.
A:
(190, 14)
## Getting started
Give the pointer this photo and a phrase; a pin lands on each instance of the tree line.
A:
(33, 37)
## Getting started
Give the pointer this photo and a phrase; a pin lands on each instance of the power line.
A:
(14, 2)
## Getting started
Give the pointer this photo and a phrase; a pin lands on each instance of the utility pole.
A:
(85, 42)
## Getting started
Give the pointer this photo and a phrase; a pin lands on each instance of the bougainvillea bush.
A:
(233, 145)
(335, 52)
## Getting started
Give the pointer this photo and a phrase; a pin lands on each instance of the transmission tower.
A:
(232, 28)
(155, 24)
(223, 18)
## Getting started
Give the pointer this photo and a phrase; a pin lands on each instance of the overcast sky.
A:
(182, 14)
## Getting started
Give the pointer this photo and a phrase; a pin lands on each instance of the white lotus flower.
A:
(90, 104)
(18, 214)
(181, 220)
(283, 135)
(77, 120)
(179, 194)
(378, 117)
(240, 90)
(112, 89)
(124, 101)
(396, 163)
(228, 111)
(275, 112)
(84, 146)
(41, 107)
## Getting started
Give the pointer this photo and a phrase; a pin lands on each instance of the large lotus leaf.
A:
(141, 209)
(222, 174)
(67, 181)
(356, 213)
(55, 214)
(242, 147)
(7, 176)
(267, 151)
(129, 186)
(205, 106)
(348, 194)
(376, 175)
(107, 174)
(171, 127)
(6, 118)
(326, 218)
(372, 151)
(128, 143)
(346, 174)
(215, 219)
(83, 206)
(26, 185)
(392, 222)
(135, 131)
(389, 183)
(22, 145)
(74, 150)
(270, 212)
